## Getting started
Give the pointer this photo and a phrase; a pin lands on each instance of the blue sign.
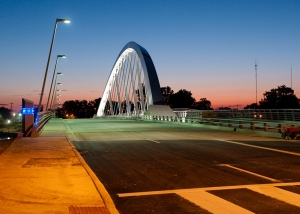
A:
(27, 110)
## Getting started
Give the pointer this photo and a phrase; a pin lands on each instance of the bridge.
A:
(150, 158)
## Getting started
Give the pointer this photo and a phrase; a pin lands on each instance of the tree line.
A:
(281, 97)
(277, 98)
(87, 109)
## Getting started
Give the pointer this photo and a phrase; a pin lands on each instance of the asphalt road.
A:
(161, 167)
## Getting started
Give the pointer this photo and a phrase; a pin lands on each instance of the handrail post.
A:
(241, 125)
(280, 128)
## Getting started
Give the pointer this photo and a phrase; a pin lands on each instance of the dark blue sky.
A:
(208, 47)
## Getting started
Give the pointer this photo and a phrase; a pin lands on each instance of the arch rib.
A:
(140, 78)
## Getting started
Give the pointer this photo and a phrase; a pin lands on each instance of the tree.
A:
(5, 113)
(166, 92)
(79, 108)
(280, 97)
(224, 108)
(252, 106)
(202, 104)
(181, 99)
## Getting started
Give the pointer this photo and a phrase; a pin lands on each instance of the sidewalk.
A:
(47, 175)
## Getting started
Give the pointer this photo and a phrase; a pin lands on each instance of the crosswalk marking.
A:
(213, 203)
(160, 192)
(279, 194)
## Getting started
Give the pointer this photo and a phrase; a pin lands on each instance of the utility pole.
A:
(291, 77)
(256, 63)
(11, 106)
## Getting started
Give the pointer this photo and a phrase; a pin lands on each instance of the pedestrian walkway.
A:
(46, 175)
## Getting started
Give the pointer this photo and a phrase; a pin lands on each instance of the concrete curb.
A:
(109, 204)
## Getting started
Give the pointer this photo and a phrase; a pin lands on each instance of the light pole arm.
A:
(47, 66)
(33, 133)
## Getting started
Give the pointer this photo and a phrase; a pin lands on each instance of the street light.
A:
(58, 56)
(8, 122)
(55, 88)
(47, 66)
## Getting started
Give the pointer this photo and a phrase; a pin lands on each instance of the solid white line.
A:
(279, 194)
(177, 191)
(251, 173)
(212, 203)
(260, 147)
(153, 141)
(74, 138)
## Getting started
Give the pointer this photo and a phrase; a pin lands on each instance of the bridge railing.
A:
(41, 120)
(265, 114)
(237, 123)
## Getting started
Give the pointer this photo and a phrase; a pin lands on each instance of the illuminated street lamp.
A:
(47, 66)
(8, 122)
(58, 56)
(55, 87)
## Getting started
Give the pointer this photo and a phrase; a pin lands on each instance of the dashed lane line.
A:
(260, 147)
(153, 141)
(251, 173)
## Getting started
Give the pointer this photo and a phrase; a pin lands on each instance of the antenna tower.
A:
(256, 62)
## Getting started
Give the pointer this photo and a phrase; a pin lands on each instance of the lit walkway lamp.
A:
(55, 87)
(49, 56)
(47, 66)
(58, 56)
(55, 90)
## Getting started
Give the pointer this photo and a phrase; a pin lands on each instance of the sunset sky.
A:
(206, 47)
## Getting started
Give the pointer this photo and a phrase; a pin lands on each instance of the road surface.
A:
(161, 167)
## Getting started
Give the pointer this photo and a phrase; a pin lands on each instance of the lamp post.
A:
(47, 66)
(55, 87)
(58, 56)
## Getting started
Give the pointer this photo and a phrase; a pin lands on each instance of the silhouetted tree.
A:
(166, 93)
(181, 99)
(202, 104)
(224, 108)
(79, 108)
(5, 113)
(280, 97)
(252, 106)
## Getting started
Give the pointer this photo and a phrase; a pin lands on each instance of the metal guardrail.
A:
(42, 119)
(265, 114)
(255, 125)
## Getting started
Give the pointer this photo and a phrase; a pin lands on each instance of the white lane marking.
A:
(279, 194)
(212, 203)
(74, 138)
(251, 173)
(260, 147)
(206, 189)
(153, 141)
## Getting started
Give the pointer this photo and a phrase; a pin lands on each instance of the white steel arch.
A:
(133, 84)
